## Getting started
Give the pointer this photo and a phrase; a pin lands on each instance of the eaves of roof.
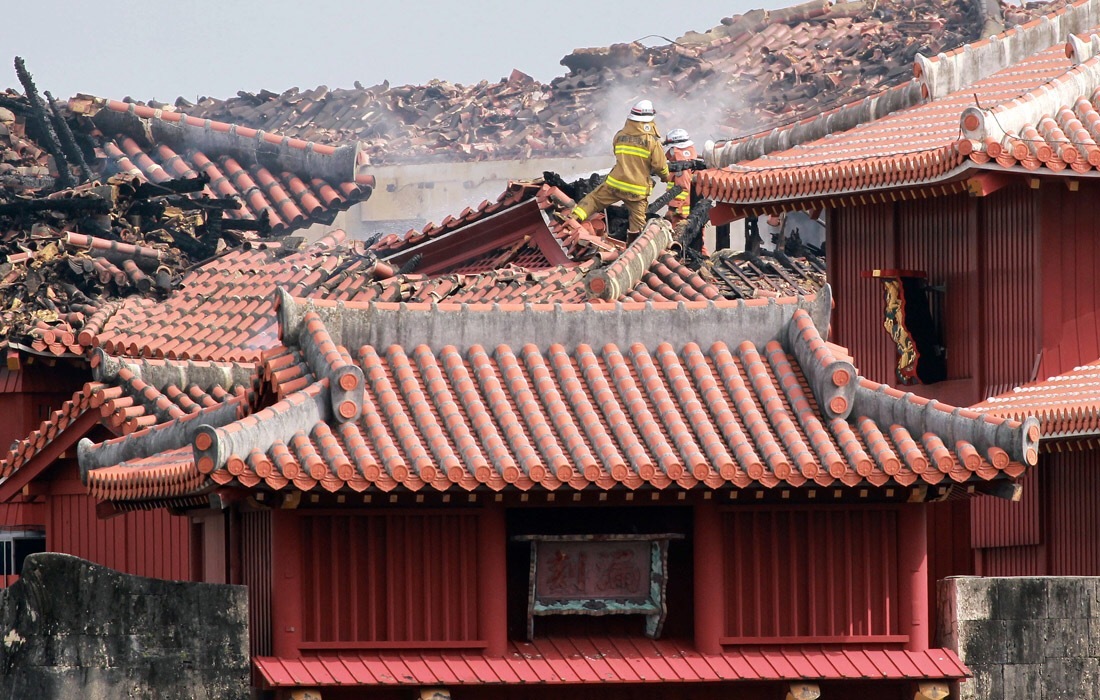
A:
(1067, 406)
(639, 402)
(606, 661)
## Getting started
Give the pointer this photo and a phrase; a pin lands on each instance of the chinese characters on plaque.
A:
(598, 575)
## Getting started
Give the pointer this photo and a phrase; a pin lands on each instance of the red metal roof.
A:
(1034, 111)
(606, 660)
(1067, 405)
(655, 395)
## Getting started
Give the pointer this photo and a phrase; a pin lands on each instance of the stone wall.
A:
(73, 629)
(1024, 637)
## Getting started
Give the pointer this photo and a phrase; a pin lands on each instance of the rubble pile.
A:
(24, 166)
(750, 73)
(66, 254)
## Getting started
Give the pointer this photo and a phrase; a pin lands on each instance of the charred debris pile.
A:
(73, 238)
(750, 73)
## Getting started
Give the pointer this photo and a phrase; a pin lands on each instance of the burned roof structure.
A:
(779, 64)
(134, 199)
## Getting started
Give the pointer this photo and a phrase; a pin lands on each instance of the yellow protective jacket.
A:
(638, 155)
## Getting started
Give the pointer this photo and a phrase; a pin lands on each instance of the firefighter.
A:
(680, 149)
(638, 156)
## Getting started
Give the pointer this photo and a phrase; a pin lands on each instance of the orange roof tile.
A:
(1067, 405)
(724, 394)
(1037, 109)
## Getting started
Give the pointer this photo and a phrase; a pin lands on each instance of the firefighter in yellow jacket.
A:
(680, 149)
(638, 156)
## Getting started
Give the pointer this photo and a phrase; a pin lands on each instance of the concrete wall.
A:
(73, 629)
(1024, 637)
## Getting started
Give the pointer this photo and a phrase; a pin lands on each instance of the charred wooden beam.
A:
(662, 201)
(41, 119)
(68, 141)
(185, 185)
(69, 206)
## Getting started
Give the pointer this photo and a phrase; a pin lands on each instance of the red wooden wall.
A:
(982, 251)
(389, 577)
(1070, 255)
(1053, 530)
(146, 543)
(811, 574)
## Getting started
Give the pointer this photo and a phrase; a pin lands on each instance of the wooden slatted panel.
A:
(256, 574)
(1009, 306)
(811, 574)
(862, 239)
(995, 522)
(1069, 254)
(1013, 561)
(145, 543)
(938, 237)
(1073, 484)
(390, 578)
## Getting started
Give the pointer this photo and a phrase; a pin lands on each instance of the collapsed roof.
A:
(750, 73)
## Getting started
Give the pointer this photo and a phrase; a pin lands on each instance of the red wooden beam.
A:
(913, 575)
(710, 593)
(49, 454)
(985, 184)
(492, 580)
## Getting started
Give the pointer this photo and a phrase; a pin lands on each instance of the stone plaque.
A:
(598, 575)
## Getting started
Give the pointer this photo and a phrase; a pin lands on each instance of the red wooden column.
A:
(913, 575)
(286, 584)
(492, 583)
(710, 589)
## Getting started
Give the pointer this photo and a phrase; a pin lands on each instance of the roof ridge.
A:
(988, 434)
(622, 275)
(832, 380)
(325, 359)
(278, 422)
(158, 438)
(160, 374)
(215, 138)
(847, 116)
(622, 323)
(953, 70)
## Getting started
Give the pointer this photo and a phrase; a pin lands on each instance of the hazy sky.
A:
(159, 49)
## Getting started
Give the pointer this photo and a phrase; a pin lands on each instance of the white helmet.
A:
(642, 111)
(679, 139)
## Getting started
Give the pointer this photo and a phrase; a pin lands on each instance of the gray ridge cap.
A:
(882, 405)
(620, 323)
(300, 410)
(154, 440)
(161, 374)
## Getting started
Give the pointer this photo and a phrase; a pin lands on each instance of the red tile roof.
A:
(739, 394)
(291, 182)
(564, 660)
(1031, 101)
(1067, 405)
(135, 400)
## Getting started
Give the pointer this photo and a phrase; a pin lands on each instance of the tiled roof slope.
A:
(1067, 405)
(726, 394)
(224, 309)
(1034, 110)
(606, 661)
(515, 250)
(157, 194)
(139, 399)
(290, 182)
(780, 64)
